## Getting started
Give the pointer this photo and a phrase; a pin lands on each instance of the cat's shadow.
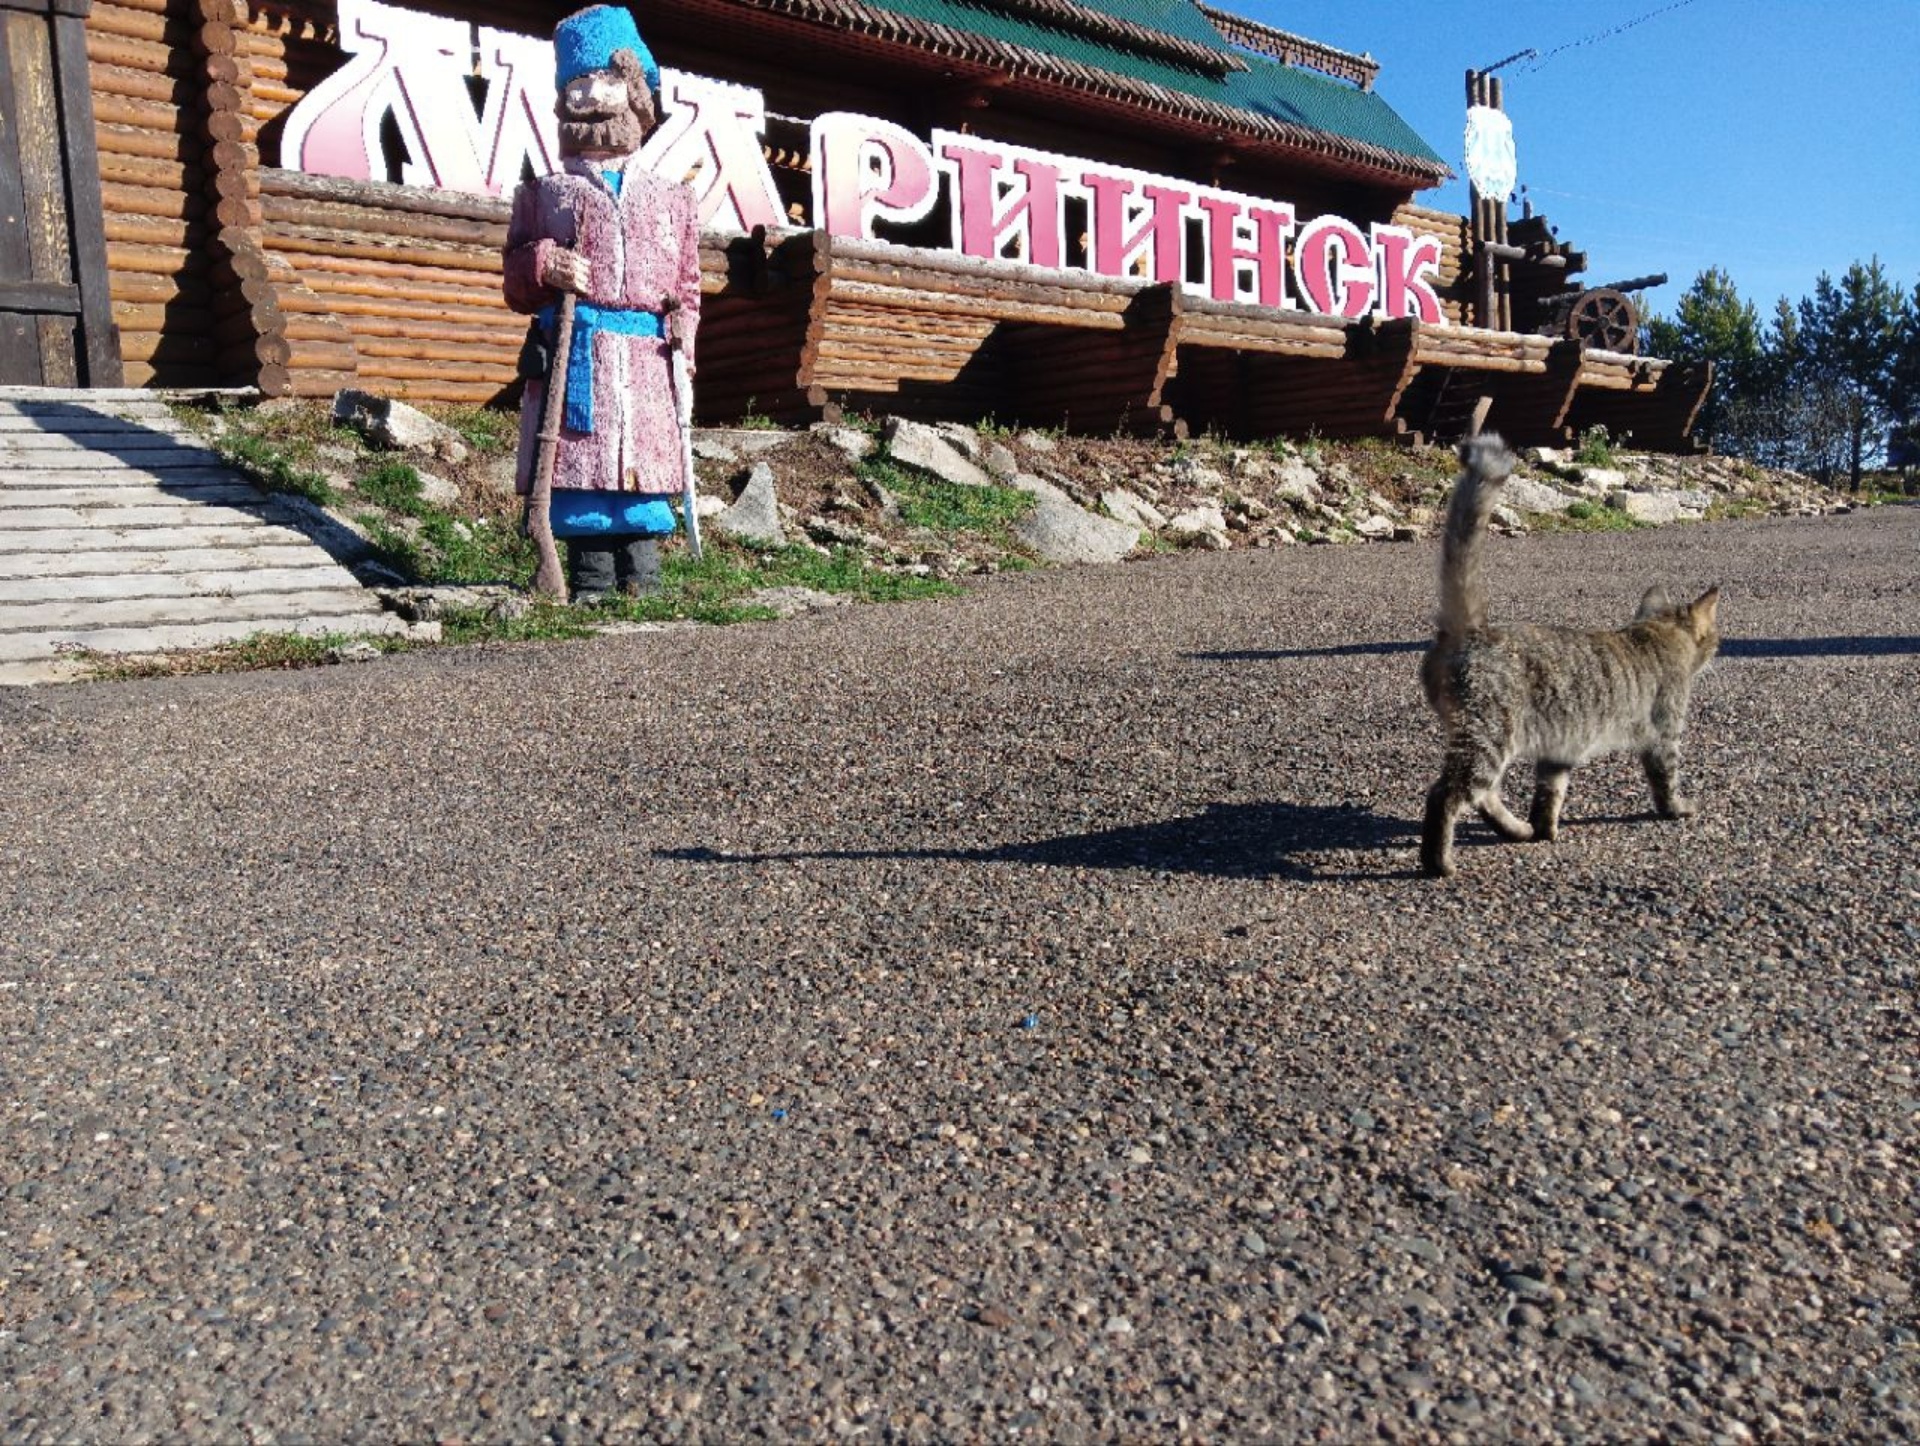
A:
(1856, 647)
(1229, 841)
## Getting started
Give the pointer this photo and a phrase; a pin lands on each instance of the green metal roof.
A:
(1302, 97)
(1265, 88)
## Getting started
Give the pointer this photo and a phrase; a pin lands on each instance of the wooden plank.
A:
(24, 520)
(17, 32)
(36, 647)
(327, 577)
(125, 441)
(68, 565)
(23, 617)
(53, 459)
(14, 498)
(144, 539)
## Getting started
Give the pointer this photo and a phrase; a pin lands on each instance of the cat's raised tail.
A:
(1486, 465)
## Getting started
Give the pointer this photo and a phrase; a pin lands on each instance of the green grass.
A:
(1595, 448)
(276, 467)
(1584, 516)
(939, 506)
(259, 652)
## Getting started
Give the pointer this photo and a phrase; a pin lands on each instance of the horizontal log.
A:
(140, 142)
(342, 246)
(847, 256)
(148, 346)
(972, 291)
(303, 215)
(157, 231)
(119, 199)
(154, 57)
(267, 99)
(1504, 366)
(118, 80)
(130, 22)
(143, 288)
(144, 374)
(158, 260)
(148, 171)
(400, 369)
(415, 200)
(376, 351)
(298, 328)
(143, 112)
(475, 309)
(234, 326)
(992, 309)
(468, 341)
(323, 272)
(263, 350)
(477, 394)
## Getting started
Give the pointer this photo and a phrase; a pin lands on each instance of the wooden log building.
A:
(155, 231)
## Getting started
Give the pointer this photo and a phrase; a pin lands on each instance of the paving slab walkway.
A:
(121, 533)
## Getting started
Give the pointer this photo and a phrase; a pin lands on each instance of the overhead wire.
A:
(1540, 58)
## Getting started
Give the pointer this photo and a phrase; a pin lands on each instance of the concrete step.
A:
(121, 533)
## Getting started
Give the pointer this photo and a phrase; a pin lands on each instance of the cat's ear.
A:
(1655, 601)
(1704, 613)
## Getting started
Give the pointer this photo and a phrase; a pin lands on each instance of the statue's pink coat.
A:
(643, 245)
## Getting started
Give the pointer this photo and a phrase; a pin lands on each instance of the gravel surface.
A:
(1010, 1015)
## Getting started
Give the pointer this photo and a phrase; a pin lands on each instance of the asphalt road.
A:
(1013, 1014)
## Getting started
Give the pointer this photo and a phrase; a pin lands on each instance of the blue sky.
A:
(1774, 138)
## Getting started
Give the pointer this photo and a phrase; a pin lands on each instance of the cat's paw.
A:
(1680, 808)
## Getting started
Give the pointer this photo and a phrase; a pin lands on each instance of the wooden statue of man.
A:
(626, 243)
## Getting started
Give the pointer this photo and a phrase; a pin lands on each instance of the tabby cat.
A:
(1557, 696)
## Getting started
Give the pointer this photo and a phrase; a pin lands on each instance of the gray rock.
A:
(1523, 494)
(787, 601)
(733, 443)
(1192, 472)
(832, 532)
(755, 513)
(388, 423)
(1375, 528)
(1038, 487)
(999, 460)
(1654, 508)
(1058, 530)
(496, 474)
(1297, 483)
(962, 437)
(919, 445)
(1133, 509)
(850, 442)
(1599, 479)
(438, 490)
(1204, 526)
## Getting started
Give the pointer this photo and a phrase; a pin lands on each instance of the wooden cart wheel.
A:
(1604, 320)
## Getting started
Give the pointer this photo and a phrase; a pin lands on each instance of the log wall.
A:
(227, 269)
(153, 73)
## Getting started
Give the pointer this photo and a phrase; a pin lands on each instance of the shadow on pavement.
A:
(1231, 841)
(1863, 647)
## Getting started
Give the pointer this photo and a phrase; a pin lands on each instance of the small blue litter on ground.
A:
(1032, 1021)
(779, 1114)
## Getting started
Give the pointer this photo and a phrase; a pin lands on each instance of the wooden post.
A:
(549, 578)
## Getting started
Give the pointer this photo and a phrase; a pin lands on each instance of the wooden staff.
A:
(549, 578)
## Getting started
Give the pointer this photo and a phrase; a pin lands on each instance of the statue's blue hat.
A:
(587, 39)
